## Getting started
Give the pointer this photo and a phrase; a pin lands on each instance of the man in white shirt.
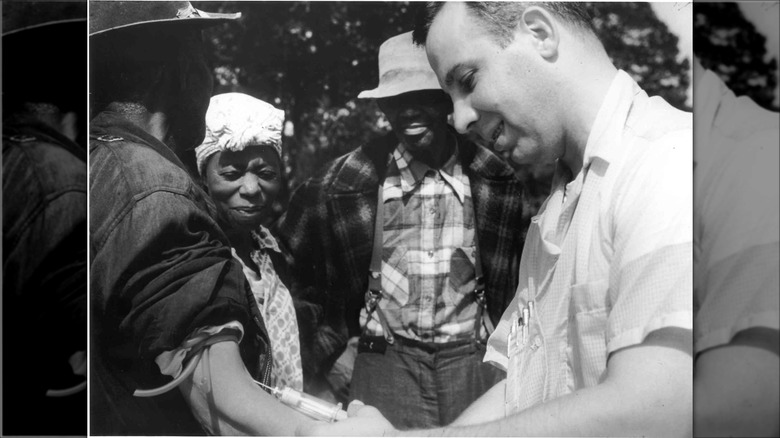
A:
(598, 340)
(735, 262)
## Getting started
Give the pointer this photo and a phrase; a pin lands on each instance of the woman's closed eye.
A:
(267, 174)
(230, 174)
(263, 170)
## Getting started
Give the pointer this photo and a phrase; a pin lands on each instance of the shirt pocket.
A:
(462, 276)
(527, 372)
(395, 274)
(587, 346)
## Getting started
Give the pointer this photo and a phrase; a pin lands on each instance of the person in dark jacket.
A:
(416, 288)
(44, 219)
(168, 300)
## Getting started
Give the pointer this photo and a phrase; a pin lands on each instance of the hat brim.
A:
(47, 24)
(207, 19)
(396, 89)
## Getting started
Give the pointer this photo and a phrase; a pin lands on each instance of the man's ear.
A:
(544, 30)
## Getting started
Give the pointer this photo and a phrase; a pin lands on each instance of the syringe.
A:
(308, 405)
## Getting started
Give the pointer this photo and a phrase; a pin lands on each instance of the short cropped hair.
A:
(501, 18)
(125, 64)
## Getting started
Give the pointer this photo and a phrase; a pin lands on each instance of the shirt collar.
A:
(611, 119)
(264, 240)
(603, 141)
(709, 91)
(413, 171)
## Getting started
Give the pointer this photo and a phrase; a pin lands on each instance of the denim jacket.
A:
(44, 275)
(160, 268)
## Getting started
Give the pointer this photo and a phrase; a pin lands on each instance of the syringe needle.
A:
(273, 390)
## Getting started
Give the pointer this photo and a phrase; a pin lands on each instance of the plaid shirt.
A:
(428, 255)
(328, 230)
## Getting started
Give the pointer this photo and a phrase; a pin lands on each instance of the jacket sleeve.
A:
(304, 233)
(161, 272)
(44, 266)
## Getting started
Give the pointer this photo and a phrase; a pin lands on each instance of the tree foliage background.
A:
(311, 59)
(729, 45)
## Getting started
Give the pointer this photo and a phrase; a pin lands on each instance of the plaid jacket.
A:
(328, 231)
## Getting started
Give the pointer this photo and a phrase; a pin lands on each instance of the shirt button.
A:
(430, 254)
(432, 210)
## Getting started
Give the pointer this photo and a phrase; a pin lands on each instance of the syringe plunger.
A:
(311, 406)
(308, 405)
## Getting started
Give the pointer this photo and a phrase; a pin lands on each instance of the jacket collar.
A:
(33, 128)
(109, 123)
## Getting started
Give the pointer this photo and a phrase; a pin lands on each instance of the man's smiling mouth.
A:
(415, 129)
(248, 210)
(496, 134)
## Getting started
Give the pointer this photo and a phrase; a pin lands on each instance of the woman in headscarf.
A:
(240, 164)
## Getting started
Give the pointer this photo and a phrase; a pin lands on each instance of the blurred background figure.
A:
(44, 218)
(736, 203)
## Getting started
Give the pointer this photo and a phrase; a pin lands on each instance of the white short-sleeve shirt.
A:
(608, 259)
(737, 218)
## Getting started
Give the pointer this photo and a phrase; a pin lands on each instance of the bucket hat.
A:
(23, 16)
(105, 16)
(403, 67)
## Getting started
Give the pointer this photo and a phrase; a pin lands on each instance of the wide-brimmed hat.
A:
(110, 15)
(25, 16)
(403, 67)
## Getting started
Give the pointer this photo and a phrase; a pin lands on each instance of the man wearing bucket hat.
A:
(407, 247)
(168, 299)
(44, 219)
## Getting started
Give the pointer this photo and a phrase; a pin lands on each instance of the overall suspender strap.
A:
(374, 293)
(479, 293)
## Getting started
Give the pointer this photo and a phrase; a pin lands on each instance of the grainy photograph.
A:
(377, 218)
(390, 218)
(44, 211)
(736, 218)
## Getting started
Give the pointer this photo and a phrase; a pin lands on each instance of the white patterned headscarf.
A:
(235, 121)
